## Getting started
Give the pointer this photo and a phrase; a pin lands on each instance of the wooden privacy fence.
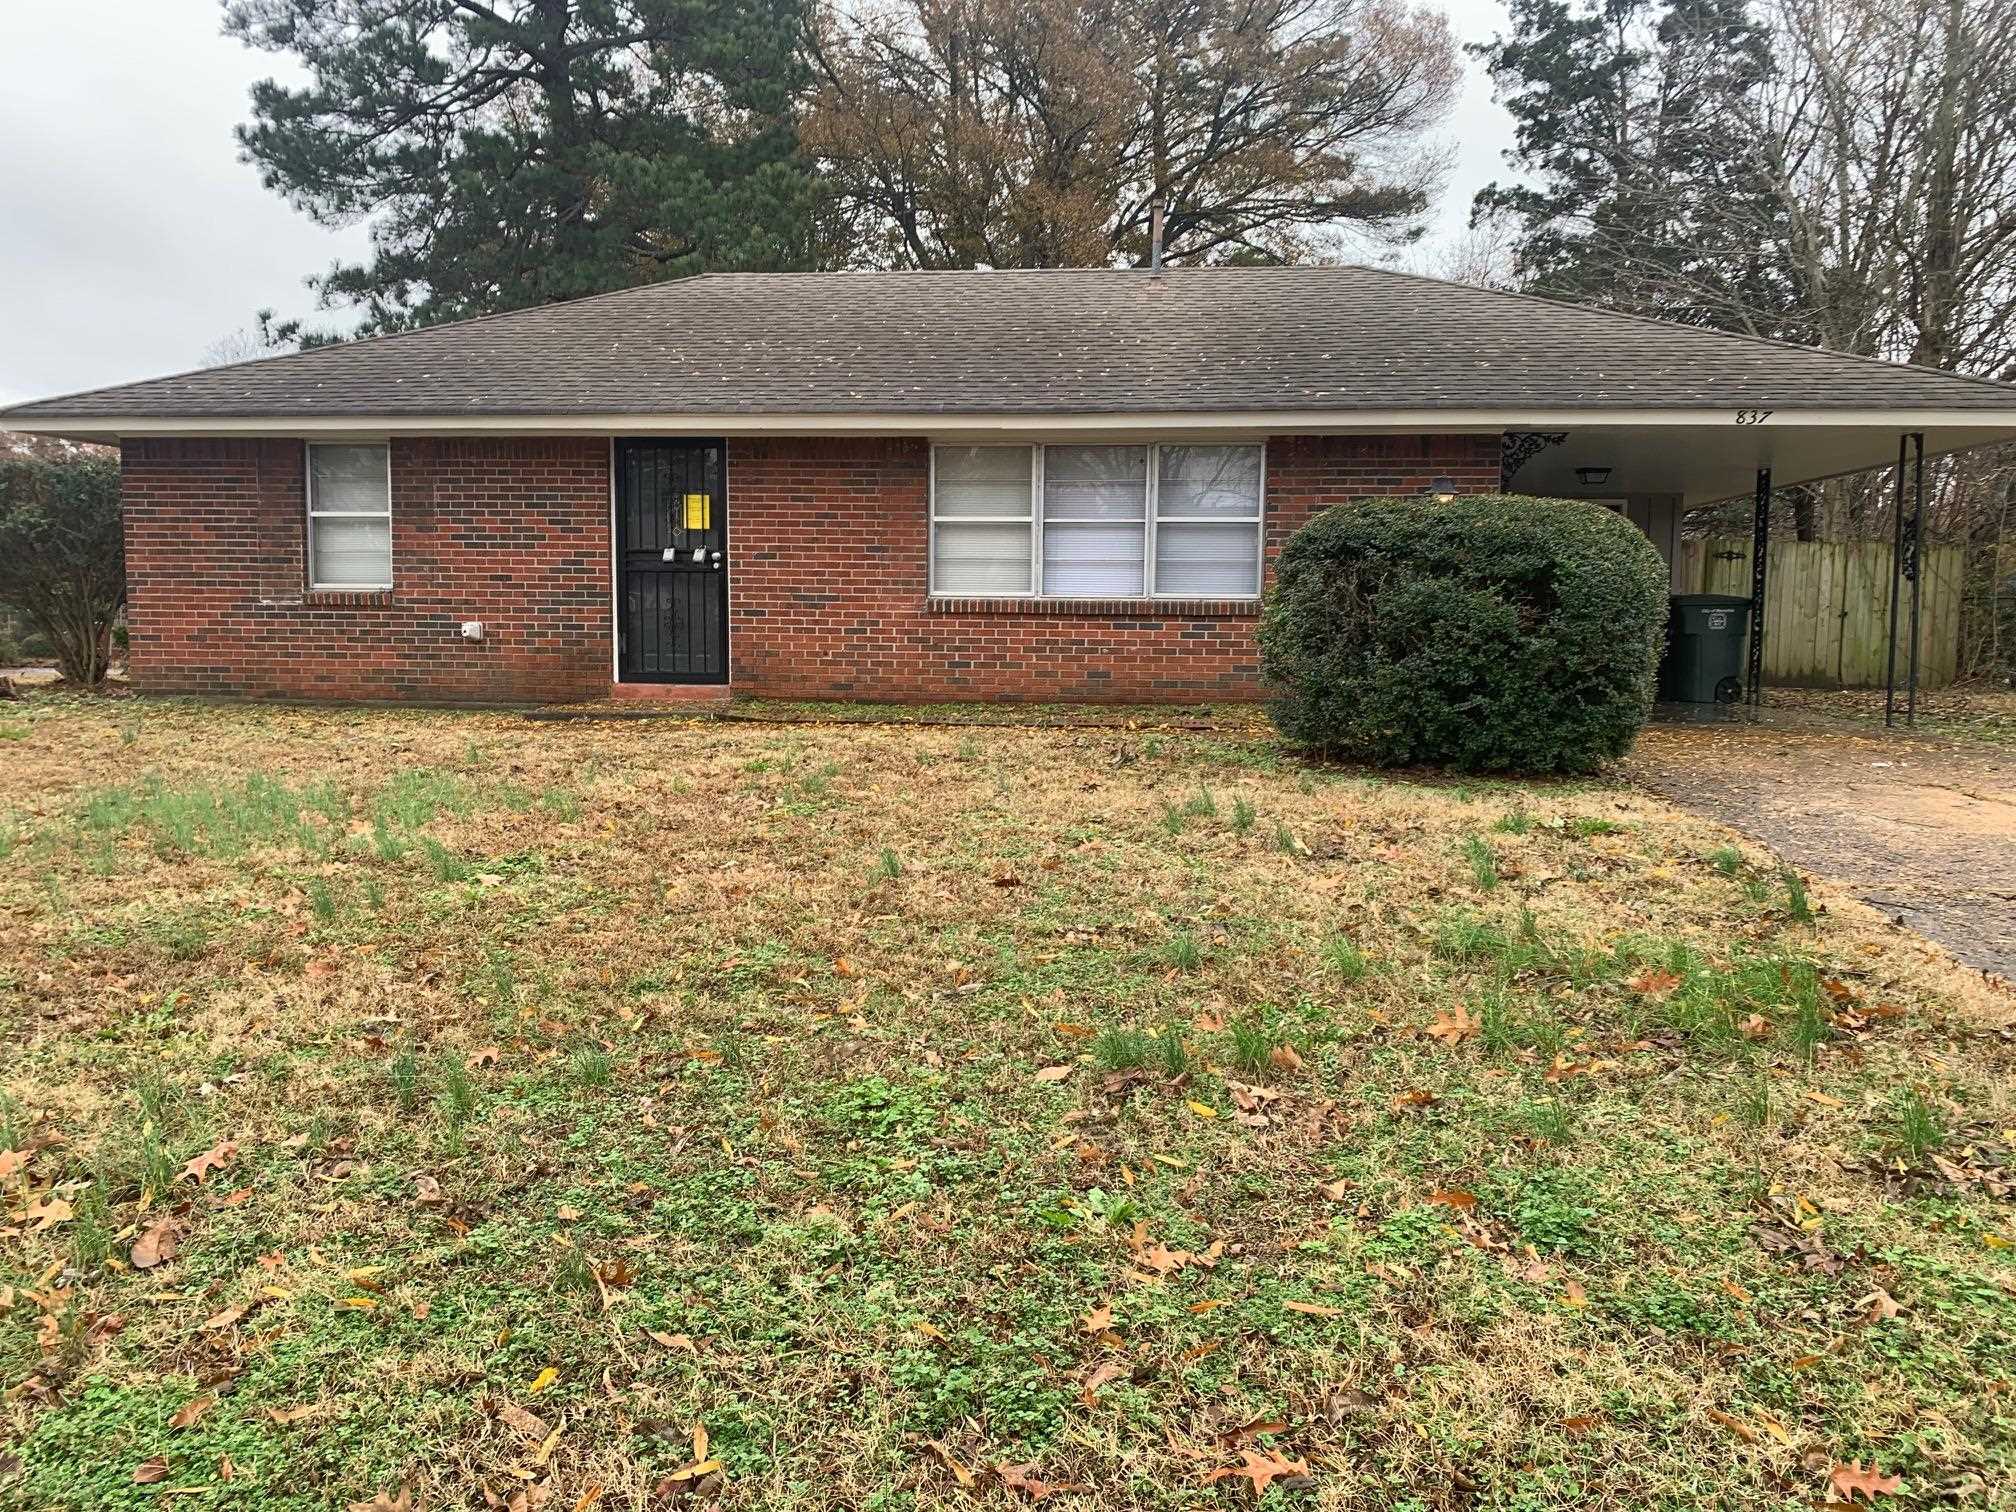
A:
(1827, 608)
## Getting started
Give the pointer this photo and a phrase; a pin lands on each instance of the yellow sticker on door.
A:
(699, 511)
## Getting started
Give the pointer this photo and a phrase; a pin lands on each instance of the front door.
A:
(671, 562)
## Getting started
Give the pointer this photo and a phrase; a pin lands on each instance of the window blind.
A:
(1098, 522)
(1095, 519)
(982, 499)
(349, 517)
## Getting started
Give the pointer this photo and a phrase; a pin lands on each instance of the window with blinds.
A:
(349, 518)
(1096, 522)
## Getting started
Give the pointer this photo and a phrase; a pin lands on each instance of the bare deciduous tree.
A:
(957, 133)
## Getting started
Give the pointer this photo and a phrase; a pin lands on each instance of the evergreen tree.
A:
(521, 151)
(1647, 181)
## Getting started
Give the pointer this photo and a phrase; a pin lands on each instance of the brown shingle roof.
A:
(1086, 342)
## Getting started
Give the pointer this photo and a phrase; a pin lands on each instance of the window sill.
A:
(347, 597)
(1120, 608)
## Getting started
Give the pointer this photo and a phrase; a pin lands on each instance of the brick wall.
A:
(828, 544)
(827, 571)
(513, 533)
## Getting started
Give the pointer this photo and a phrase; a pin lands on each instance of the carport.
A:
(1656, 466)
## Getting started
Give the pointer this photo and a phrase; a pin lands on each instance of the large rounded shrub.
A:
(1492, 633)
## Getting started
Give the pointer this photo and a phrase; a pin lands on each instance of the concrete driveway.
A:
(1919, 826)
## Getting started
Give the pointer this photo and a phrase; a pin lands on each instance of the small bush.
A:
(1494, 633)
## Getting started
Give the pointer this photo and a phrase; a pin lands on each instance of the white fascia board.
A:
(1221, 423)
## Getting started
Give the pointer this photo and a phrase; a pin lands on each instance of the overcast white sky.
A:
(132, 238)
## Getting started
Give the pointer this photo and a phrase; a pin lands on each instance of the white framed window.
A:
(1207, 521)
(350, 518)
(983, 521)
(1097, 522)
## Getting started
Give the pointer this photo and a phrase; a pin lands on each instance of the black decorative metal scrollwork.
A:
(1521, 447)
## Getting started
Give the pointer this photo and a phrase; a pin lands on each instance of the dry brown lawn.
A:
(820, 1115)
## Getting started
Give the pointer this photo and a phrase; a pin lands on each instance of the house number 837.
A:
(1752, 417)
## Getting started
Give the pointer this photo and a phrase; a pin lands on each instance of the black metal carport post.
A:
(1916, 563)
(1896, 586)
(1904, 566)
(1760, 569)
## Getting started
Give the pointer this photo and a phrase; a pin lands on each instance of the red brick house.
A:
(1029, 485)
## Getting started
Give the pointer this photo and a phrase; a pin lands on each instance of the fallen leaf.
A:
(1053, 1073)
(291, 1414)
(1022, 1478)
(1104, 1372)
(1097, 1321)
(215, 1158)
(1880, 1306)
(1335, 1191)
(844, 967)
(1735, 1425)
(1851, 1478)
(1250, 1430)
(1202, 1110)
(191, 1410)
(1654, 983)
(1262, 1467)
(544, 1379)
(1824, 1100)
(427, 1191)
(1461, 1201)
(46, 1212)
(487, 1056)
(959, 1472)
(1572, 1295)
(1284, 1058)
(155, 1245)
(1315, 1309)
(518, 1420)
(148, 1471)
(1453, 1024)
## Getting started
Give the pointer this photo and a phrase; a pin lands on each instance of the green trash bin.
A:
(1704, 649)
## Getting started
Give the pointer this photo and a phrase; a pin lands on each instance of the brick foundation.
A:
(827, 577)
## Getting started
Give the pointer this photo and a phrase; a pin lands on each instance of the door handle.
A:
(714, 560)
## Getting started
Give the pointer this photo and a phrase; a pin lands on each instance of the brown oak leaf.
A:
(215, 1158)
(1262, 1467)
(1452, 1025)
(1849, 1479)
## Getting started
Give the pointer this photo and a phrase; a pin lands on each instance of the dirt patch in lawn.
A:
(643, 1114)
(1922, 828)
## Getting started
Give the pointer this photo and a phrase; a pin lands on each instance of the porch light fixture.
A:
(1442, 490)
(1593, 477)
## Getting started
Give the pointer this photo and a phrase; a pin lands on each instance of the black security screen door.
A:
(671, 562)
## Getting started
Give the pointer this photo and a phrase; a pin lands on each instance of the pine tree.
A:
(522, 151)
(1647, 185)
